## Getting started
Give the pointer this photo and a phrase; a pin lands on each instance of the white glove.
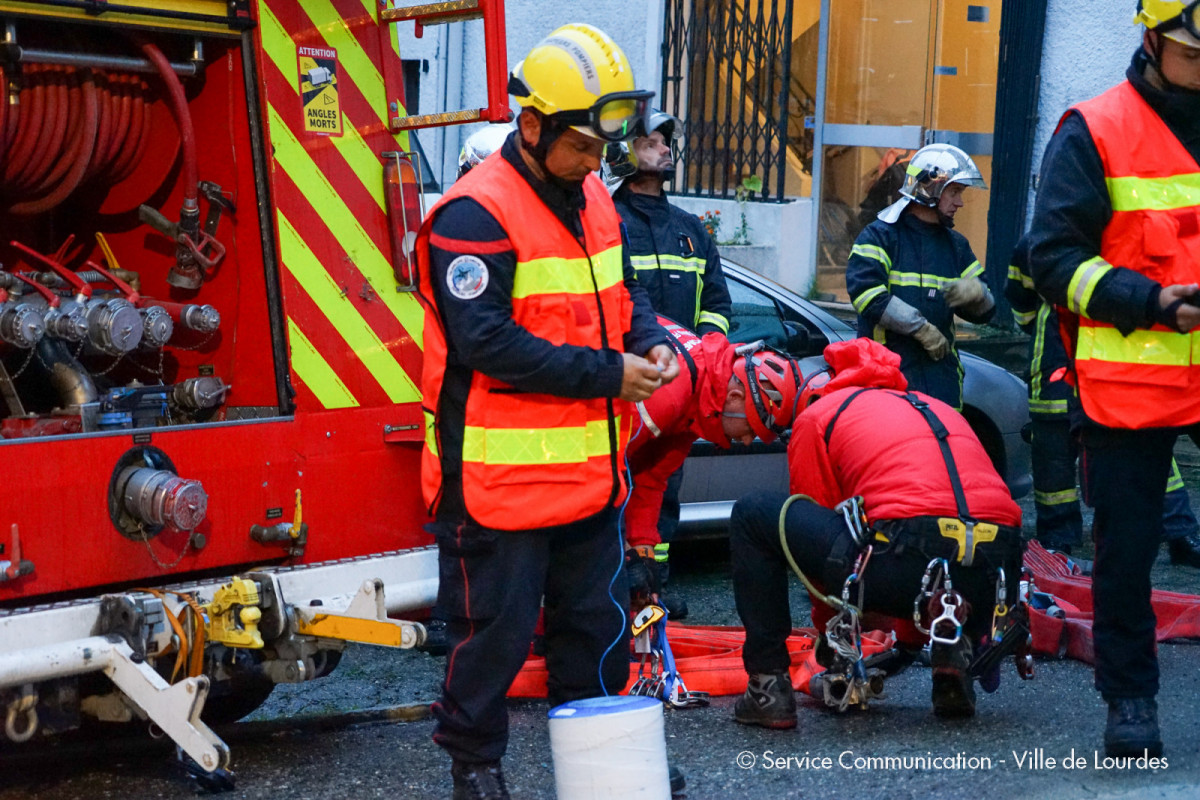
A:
(933, 341)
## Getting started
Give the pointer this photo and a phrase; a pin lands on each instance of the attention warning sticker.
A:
(319, 91)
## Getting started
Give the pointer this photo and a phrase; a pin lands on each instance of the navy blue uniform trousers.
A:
(491, 588)
(1126, 476)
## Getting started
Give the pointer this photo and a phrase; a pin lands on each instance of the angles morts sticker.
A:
(467, 277)
(319, 90)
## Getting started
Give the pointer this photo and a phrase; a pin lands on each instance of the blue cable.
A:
(621, 551)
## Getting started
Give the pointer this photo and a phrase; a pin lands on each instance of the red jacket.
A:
(882, 448)
(673, 418)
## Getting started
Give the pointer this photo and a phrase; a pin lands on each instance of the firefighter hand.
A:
(642, 573)
(663, 357)
(933, 341)
(965, 292)
(1180, 306)
(640, 380)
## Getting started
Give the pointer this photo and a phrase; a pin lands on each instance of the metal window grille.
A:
(727, 73)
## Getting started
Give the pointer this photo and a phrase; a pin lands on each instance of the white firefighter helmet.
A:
(620, 158)
(931, 170)
(481, 144)
(618, 164)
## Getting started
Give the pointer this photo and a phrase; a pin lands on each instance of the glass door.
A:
(897, 74)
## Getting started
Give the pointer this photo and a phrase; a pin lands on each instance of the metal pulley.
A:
(114, 325)
(159, 497)
(157, 327)
(21, 324)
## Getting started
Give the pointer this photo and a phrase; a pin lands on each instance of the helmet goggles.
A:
(1188, 19)
(614, 117)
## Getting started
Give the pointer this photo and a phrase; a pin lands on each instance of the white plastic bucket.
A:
(610, 748)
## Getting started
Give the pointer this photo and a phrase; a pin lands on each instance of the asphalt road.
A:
(297, 747)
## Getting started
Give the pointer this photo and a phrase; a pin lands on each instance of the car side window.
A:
(754, 317)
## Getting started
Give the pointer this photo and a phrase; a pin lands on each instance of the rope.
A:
(832, 602)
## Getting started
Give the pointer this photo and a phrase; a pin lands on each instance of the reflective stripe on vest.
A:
(534, 460)
(1146, 379)
(515, 446)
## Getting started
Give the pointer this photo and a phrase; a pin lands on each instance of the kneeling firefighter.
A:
(929, 532)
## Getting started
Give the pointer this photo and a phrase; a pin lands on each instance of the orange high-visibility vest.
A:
(535, 460)
(1150, 378)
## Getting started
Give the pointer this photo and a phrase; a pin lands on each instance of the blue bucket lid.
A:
(598, 706)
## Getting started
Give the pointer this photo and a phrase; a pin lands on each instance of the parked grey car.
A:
(994, 402)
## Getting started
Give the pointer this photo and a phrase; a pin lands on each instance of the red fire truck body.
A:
(210, 346)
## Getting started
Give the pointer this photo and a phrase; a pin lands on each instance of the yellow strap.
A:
(956, 529)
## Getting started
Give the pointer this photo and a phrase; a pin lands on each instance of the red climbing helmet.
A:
(772, 382)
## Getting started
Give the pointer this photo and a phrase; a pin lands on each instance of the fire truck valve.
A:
(160, 497)
(234, 613)
(292, 534)
(15, 566)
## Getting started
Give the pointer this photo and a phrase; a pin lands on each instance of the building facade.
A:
(786, 95)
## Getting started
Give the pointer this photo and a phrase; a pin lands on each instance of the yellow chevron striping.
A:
(341, 313)
(363, 162)
(345, 227)
(316, 373)
(351, 55)
(394, 39)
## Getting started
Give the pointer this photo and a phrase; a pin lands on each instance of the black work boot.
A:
(678, 782)
(953, 688)
(478, 781)
(1132, 728)
(768, 702)
(1185, 550)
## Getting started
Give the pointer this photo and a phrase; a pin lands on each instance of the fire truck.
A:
(210, 353)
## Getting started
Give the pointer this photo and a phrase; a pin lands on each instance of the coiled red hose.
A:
(72, 126)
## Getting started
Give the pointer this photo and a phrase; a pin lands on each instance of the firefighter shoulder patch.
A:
(467, 277)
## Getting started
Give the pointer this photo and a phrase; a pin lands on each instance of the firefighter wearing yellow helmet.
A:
(538, 340)
(1174, 19)
(1115, 246)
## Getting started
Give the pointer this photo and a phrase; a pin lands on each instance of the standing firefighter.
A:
(676, 261)
(897, 510)
(674, 257)
(909, 273)
(1115, 245)
(536, 341)
(1054, 420)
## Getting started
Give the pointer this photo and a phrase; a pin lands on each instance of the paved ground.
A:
(1005, 750)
